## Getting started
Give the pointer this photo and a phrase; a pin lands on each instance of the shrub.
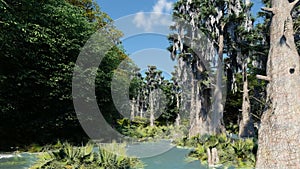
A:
(232, 152)
(113, 156)
(153, 132)
(232, 128)
(70, 157)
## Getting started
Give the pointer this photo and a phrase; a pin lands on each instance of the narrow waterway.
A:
(17, 161)
(162, 155)
(155, 155)
(172, 159)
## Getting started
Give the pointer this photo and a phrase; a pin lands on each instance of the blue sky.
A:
(145, 33)
(120, 8)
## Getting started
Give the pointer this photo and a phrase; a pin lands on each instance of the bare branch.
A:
(268, 9)
(259, 101)
(254, 115)
(261, 77)
(294, 3)
(3, 2)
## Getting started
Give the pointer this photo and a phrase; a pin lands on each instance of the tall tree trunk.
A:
(133, 107)
(216, 124)
(193, 126)
(177, 121)
(143, 103)
(198, 108)
(199, 125)
(137, 105)
(142, 110)
(246, 127)
(279, 133)
(151, 102)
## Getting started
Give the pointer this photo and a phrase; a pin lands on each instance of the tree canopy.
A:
(40, 42)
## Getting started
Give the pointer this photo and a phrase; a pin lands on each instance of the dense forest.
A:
(233, 93)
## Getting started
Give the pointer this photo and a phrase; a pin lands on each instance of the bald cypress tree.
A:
(209, 21)
(279, 133)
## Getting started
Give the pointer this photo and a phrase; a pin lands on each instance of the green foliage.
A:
(123, 122)
(114, 156)
(139, 129)
(232, 128)
(67, 157)
(232, 152)
(140, 89)
(93, 14)
(34, 148)
(140, 121)
(85, 157)
(40, 42)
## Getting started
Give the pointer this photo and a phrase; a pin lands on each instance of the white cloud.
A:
(162, 6)
(141, 22)
(155, 18)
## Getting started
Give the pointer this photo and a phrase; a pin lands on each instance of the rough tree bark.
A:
(246, 127)
(203, 120)
(142, 110)
(193, 118)
(137, 105)
(198, 124)
(143, 103)
(216, 124)
(177, 121)
(151, 105)
(279, 134)
(133, 108)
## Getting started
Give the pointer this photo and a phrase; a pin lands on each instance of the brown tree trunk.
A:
(246, 127)
(279, 134)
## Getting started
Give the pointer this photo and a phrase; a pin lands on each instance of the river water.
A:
(19, 161)
(155, 155)
(172, 159)
(162, 155)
